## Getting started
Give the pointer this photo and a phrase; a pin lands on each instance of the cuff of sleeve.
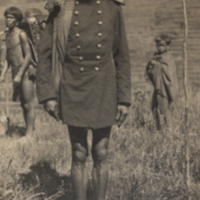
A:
(124, 98)
(124, 104)
(43, 100)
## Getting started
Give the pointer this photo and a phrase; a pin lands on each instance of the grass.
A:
(144, 163)
(45, 151)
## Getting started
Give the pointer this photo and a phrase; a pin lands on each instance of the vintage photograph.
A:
(99, 99)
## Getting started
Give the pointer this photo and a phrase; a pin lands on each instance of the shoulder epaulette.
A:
(122, 2)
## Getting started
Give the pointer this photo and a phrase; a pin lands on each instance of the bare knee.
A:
(100, 155)
(79, 157)
(28, 106)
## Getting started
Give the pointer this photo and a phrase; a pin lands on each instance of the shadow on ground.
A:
(16, 131)
(43, 179)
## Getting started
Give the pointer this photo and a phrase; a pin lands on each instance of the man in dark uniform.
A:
(94, 91)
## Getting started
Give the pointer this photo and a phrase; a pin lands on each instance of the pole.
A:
(7, 95)
(185, 84)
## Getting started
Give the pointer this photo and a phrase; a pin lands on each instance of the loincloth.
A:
(17, 89)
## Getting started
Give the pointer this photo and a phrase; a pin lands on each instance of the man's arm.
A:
(4, 71)
(27, 56)
(44, 77)
(122, 63)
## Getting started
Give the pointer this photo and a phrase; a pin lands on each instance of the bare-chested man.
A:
(19, 58)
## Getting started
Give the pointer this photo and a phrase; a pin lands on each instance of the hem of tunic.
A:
(89, 127)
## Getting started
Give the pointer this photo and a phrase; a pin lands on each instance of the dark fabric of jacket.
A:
(96, 73)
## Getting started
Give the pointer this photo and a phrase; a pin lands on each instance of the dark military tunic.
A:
(96, 73)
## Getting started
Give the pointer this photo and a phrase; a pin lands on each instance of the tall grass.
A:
(145, 164)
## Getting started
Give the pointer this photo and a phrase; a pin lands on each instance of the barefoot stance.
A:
(19, 59)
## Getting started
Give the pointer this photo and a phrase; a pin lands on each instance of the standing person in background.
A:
(49, 5)
(33, 25)
(162, 73)
(84, 75)
(19, 59)
(36, 21)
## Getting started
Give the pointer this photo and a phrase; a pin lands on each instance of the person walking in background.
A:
(83, 75)
(19, 59)
(36, 22)
(49, 5)
(33, 24)
(162, 72)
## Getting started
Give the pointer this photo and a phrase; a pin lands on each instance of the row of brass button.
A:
(83, 69)
(98, 45)
(98, 57)
(76, 23)
(97, 2)
(77, 13)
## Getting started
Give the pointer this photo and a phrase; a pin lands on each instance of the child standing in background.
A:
(19, 58)
(162, 73)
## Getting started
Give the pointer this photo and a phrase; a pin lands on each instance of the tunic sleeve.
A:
(122, 61)
(44, 78)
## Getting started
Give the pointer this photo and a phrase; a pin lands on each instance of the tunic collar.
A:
(120, 1)
(60, 2)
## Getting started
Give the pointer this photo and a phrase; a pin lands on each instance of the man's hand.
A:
(153, 63)
(122, 112)
(31, 71)
(17, 79)
(51, 106)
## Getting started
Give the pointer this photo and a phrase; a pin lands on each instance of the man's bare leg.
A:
(27, 103)
(100, 168)
(78, 137)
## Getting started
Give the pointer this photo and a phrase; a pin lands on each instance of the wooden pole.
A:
(7, 96)
(185, 84)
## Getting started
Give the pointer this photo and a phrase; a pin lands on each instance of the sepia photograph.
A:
(99, 100)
